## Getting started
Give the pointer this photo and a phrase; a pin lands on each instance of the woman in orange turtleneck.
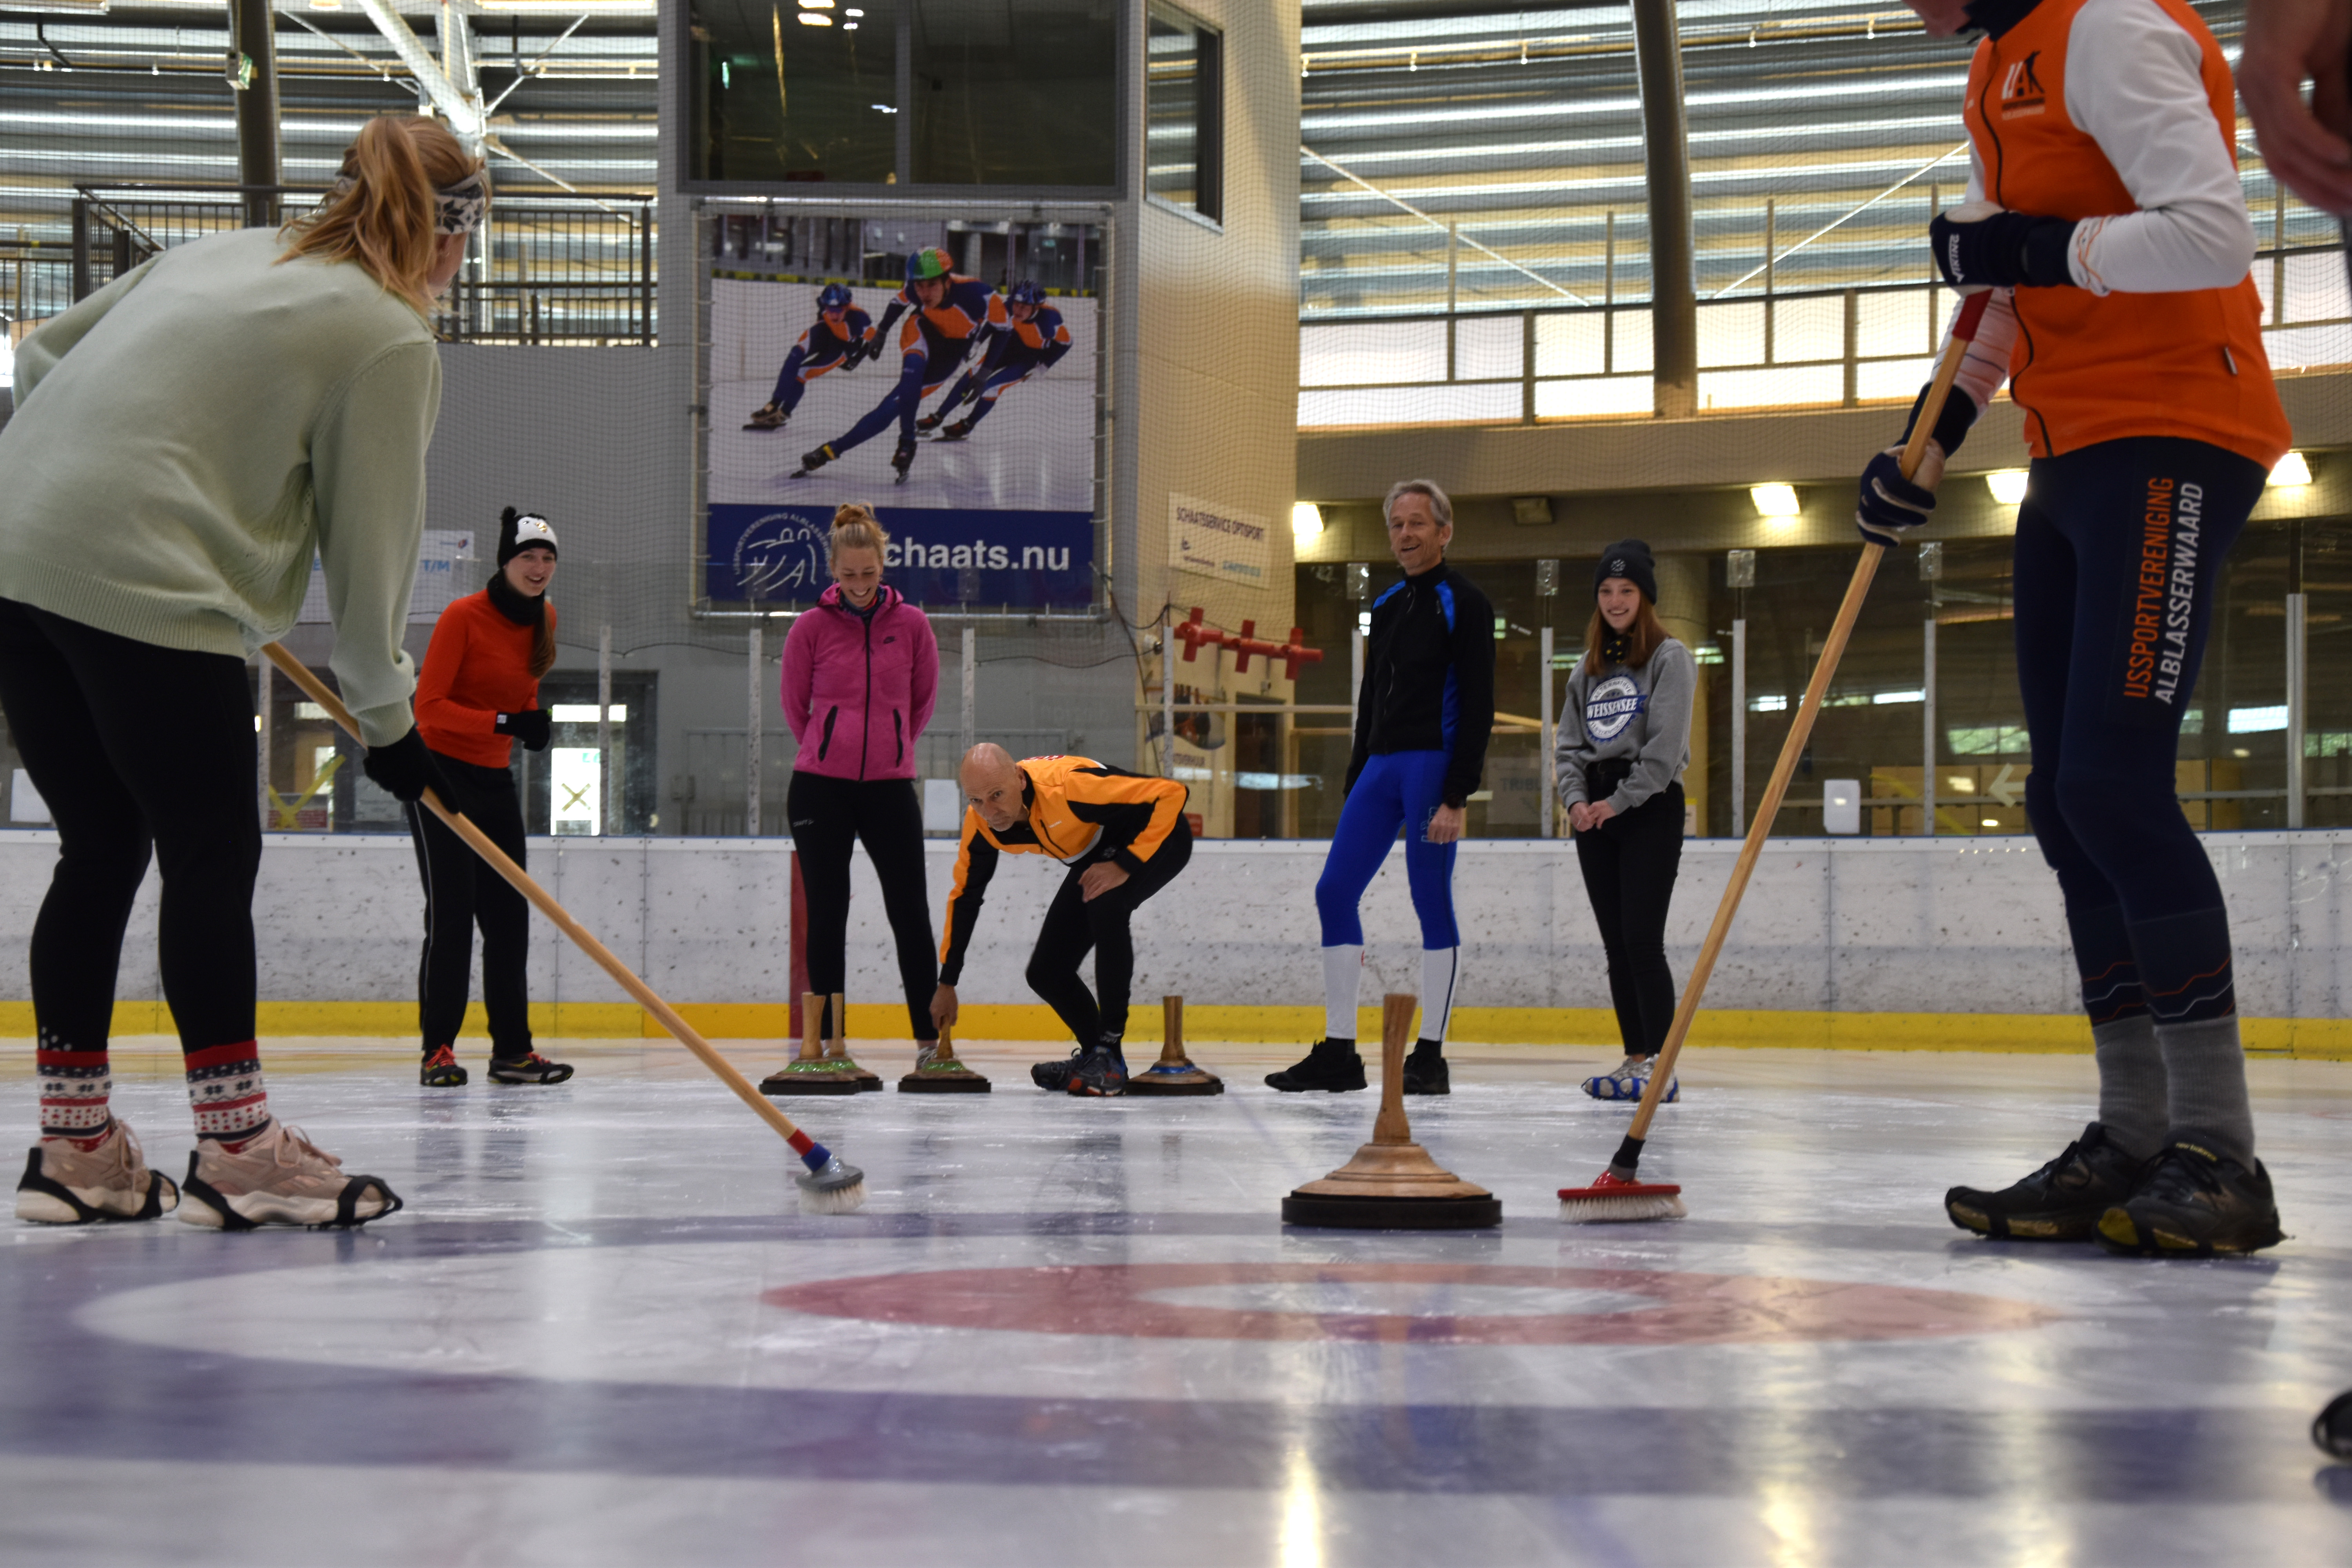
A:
(477, 695)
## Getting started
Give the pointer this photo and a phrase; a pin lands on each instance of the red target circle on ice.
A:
(1595, 1306)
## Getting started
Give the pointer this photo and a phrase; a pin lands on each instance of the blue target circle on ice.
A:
(1611, 706)
(783, 555)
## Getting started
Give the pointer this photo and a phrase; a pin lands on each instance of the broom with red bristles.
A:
(1620, 1195)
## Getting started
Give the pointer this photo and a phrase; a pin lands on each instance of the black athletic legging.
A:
(2119, 548)
(1073, 926)
(1630, 863)
(134, 746)
(461, 890)
(829, 817)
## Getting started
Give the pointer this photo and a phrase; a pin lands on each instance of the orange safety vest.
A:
(2087, 368)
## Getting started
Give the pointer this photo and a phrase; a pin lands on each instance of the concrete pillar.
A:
(1682, 607)
(1665, 161)
(252, 35)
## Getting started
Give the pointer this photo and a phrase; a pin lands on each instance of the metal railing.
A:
(541, 270)
(1833, 347)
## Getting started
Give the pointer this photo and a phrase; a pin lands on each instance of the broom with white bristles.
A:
(829, 1186)
(1620, 1195)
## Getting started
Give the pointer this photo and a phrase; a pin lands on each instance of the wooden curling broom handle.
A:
(666, 1016)
(1947, 369)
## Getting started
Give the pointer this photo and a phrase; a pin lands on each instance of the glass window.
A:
(794, 93)
(1015, 93)
(1184, 113)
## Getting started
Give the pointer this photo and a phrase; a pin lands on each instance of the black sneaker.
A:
(1425, 1072)
(441, 1071)
(1055, 1077)
(532, 1069)
(2193, 1202)
(1330, 1065)
(1100, 1073)
(2061, 1202)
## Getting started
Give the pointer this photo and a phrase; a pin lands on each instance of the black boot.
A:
(812, 461)
(1425, 1070)
(2061, 1202)
(2193, 1202)
(1331, 1065)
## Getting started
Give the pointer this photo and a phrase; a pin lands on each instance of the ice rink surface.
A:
(1075, 1331)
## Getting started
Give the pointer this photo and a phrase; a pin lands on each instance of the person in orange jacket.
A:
(477, 695)
(1123, 837)
(2106, 218)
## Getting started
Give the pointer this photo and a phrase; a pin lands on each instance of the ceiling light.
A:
(1989, 821)
(852, 11)
(816, 19)
(2291, 473)
(2007, 485)
(1305, 520)
(1774, 501)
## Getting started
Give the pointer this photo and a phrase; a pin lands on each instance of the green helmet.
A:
(928, 263)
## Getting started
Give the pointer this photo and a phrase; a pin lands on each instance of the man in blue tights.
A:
(1423, 721)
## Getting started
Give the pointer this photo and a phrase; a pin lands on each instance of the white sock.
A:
(1342, 967)
(1441, 971)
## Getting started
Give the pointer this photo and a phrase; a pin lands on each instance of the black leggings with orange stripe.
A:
(2119, 550)
(1075, 925)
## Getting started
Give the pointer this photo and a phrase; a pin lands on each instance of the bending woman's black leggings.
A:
(132, 747)
(460, 891)
(1629, 864)
(829, 817)
(1075, 925)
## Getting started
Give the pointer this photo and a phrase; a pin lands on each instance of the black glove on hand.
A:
(1981, 246)
(1891, 505)
(534, 727)
(405, 769)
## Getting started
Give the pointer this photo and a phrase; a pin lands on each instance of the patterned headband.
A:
(458, 209)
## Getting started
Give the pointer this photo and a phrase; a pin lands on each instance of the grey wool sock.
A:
(2205, 1072)
(2132, 1104)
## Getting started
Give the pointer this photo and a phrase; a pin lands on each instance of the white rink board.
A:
(1866, 925)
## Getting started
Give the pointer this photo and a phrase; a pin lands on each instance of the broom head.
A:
(1612, 1200)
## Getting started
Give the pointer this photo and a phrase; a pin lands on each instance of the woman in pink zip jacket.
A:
(861, 674)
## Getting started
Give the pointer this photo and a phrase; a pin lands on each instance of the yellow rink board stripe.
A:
(2316, 1038)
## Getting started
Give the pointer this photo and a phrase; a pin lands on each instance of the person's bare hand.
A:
(1446, 825)
(1577, 816)
(1597, 814)
(2287, 43)
(943, 1007)
(1100, 879)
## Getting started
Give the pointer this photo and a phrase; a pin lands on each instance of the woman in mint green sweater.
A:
(185, 439)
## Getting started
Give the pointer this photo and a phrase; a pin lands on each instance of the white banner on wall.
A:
(1219, 540)
(444, 551)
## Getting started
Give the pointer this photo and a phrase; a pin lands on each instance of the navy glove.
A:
(1891, 505)
(1980, 245)
(534, 727)
(405, 769)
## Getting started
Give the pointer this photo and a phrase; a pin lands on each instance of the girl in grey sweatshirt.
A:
(1624, 740)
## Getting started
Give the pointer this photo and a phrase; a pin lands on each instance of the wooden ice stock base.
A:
(816, 1071)
(943, 1074)
(1392, 1183)
(1174, 1072)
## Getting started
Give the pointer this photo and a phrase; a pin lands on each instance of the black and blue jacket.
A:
(1429, 677)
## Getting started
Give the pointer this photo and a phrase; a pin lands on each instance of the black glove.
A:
(1891, 505)
(534, 727)
(405, 769)
(1981, 246)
